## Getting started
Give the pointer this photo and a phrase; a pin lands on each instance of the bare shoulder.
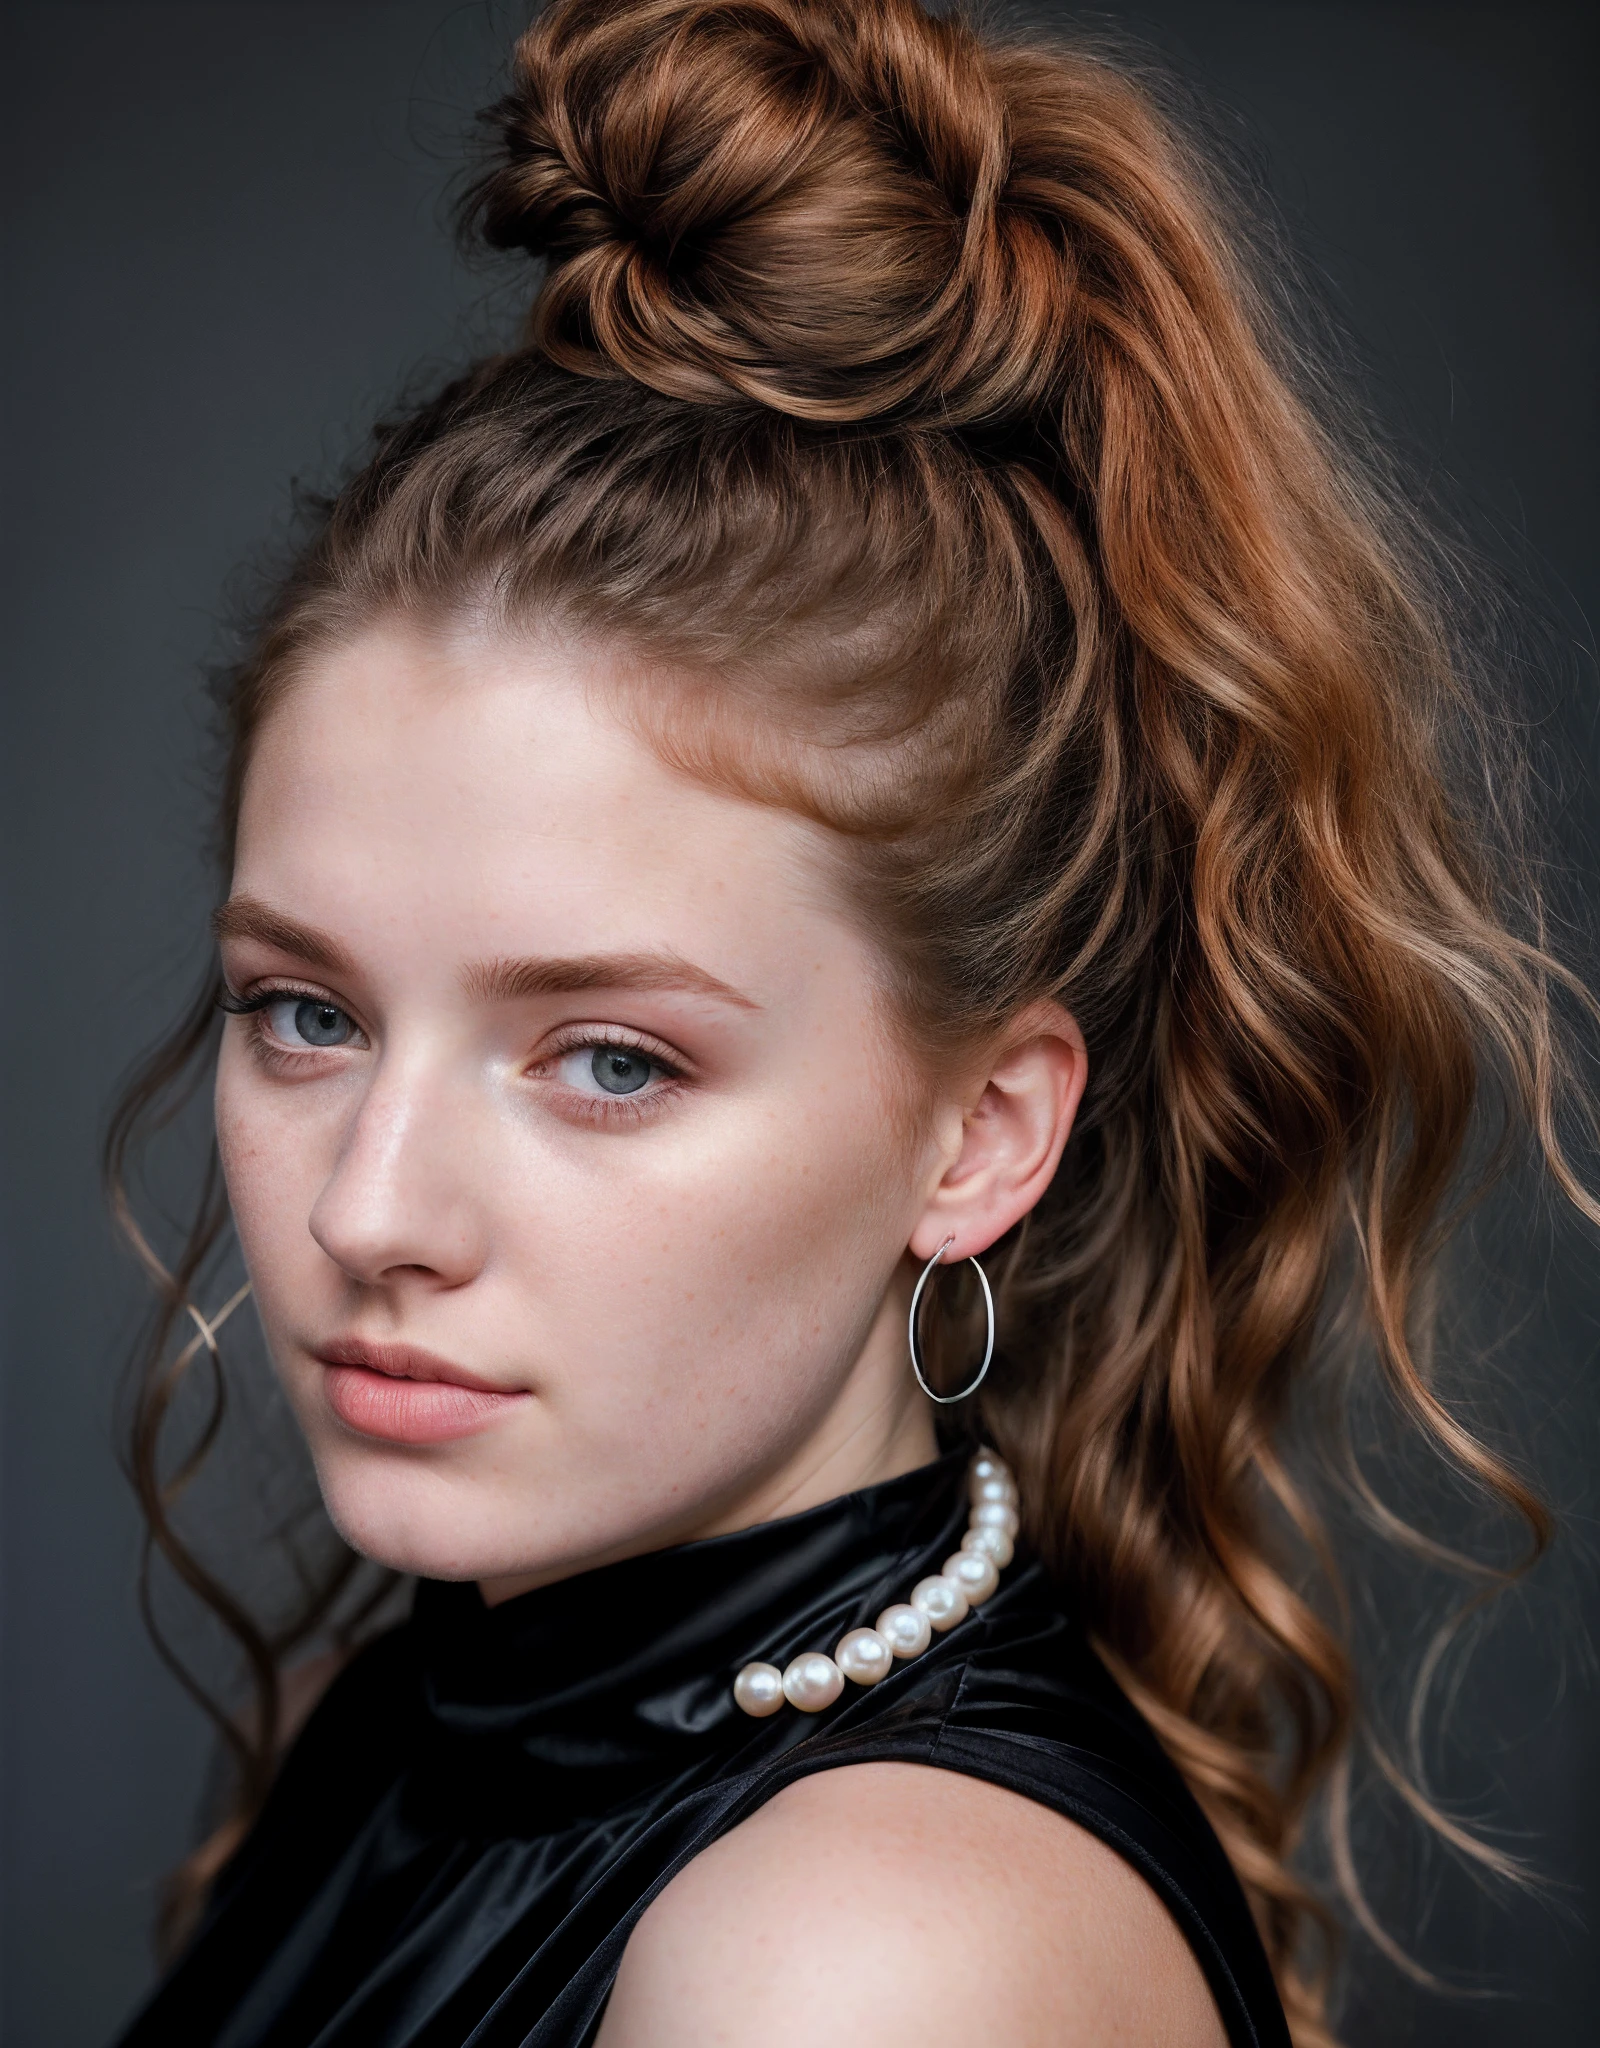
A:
(894, 1903)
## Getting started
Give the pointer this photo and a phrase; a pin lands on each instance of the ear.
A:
(1013, 1130)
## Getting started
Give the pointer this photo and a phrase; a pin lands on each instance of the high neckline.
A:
(626, 1672)
(488, 1798)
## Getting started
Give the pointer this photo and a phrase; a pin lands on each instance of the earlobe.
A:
(1013, 1135)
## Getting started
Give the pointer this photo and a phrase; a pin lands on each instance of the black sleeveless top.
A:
(485, 1801)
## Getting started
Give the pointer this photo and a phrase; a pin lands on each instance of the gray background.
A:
(227, 252)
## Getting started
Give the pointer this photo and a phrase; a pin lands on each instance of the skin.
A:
(687, 1303)
(892, 1904)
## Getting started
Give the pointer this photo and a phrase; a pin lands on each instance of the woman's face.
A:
(572, 1154)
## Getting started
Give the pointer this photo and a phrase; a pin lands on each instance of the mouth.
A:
(402, 1395)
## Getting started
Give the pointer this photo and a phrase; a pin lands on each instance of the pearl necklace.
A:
(813, 1681)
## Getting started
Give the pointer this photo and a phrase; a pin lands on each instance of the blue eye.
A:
(307, 1021)
(619, 1070)
(598, 1069)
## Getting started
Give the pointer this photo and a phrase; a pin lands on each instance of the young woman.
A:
(884, 736)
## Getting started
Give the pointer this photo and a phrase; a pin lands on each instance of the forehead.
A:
(481, 791)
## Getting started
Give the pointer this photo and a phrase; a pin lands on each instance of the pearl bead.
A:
(759, 1689)
(905, 1629)
(941, 1600)
(993, 1543)
(864, 1656)
(987, 1465)
(994, 1514)
(974, 1573)
(1002, 1490)
(812, 1682)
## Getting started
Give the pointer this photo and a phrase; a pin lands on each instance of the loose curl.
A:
(900, 395)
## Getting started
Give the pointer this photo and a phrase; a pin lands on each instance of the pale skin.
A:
(470, 904)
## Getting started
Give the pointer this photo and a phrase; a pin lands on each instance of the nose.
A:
(398, 1206)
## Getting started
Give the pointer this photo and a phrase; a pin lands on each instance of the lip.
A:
(403, 1395)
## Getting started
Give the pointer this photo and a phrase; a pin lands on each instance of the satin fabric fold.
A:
(466, 1831)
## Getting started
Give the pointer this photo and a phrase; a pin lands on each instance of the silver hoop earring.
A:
(946, 1400)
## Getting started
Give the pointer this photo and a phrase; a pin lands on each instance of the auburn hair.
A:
(901, 395)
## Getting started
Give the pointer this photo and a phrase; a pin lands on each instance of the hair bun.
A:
(797, 202)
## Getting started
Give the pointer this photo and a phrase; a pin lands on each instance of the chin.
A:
(417, 1516)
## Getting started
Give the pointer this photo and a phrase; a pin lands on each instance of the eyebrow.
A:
(651, 973)
(247, 917)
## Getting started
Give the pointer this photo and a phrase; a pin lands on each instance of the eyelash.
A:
(254, 1006)
(263, 999)
(623, 1108)
(592, 1109)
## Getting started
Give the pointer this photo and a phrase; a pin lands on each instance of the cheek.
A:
(272, 1174)
(735, 1256)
